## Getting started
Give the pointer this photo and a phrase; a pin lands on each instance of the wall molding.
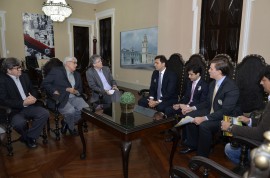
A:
(84, 23)
(246, 28)
(195, 26)
(3, 30)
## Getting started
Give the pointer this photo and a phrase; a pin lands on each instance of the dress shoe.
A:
(194, 166)
(169, 139)
(64, 127)
(29, 142)
(186, 150)
(73, 132)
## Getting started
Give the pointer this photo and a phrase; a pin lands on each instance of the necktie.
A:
(20, 88)
(192, 91)
(214, 94)
(159, 87)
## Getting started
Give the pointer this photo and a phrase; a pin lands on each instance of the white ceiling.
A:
(91, 1)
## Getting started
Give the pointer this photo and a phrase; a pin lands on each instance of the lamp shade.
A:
(57, 10)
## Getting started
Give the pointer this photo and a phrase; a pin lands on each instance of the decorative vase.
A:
(127, 108)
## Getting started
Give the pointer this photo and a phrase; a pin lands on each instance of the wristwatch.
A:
(230, 128)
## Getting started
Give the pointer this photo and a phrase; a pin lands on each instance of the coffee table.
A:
(127, 127)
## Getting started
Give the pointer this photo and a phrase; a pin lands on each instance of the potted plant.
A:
(127, 102)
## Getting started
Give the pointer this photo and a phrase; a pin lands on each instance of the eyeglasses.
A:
(72, 62)
(17, 68)
(98, 61)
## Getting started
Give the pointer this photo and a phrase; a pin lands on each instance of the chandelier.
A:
(57, 10)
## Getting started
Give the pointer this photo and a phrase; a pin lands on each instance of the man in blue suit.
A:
(221, 100)
(163, 87)
(195, 93)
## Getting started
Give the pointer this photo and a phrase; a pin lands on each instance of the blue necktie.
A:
(159, 87)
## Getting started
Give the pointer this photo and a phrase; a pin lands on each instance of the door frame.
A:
(82, 23)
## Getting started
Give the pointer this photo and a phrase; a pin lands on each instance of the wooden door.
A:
(105, 31)
(81, 46)
(220, 28)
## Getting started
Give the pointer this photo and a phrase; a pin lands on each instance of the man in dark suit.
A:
(65, 82)
(253, 129)
(163, 87)
(195, 93)
(101, 81)
(16, 92)
(221, 100)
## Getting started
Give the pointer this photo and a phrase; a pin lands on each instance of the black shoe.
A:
(73, 132)
(30, 142)
(194, 166)
(169, 139)
(186, 150)
(64, 127)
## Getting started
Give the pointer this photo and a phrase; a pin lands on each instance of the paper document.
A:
(234, 121)
(185, 120)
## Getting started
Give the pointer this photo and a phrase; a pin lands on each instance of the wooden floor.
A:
(148, 157)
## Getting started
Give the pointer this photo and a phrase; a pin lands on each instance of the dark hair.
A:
(9, 63)
(222, 64)
(195, 68)
(93, 59)
(162, 58)
(266, 72)
(53, 62)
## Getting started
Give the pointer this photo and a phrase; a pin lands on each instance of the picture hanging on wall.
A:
(38, 36)
(139, 48)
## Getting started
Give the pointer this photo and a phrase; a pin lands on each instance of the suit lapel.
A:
(13, 88)
(97, 78)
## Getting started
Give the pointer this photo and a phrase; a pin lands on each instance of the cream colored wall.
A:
(130, 15)
(174, 19)
(259, 40)
(14, 28)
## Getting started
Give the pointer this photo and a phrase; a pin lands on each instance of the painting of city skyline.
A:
(139, 48)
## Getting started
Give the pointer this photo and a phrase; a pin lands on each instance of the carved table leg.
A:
(125, 148)
(176, 137)
(80, 129)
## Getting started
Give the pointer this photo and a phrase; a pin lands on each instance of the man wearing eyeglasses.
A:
(65, 83)
(16, 92)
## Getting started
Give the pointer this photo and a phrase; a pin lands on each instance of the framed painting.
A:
(38, 36)
(138, 48)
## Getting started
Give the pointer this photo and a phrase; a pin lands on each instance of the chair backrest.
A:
(176, 64)
(248, 75)
(197, 59)
(232, 65)
(53, 62)
(31, 62)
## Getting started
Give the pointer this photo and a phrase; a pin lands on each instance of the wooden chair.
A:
(260, 166)
(5, 119)
(252, 99)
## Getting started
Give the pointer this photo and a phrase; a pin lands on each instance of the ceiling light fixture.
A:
(57, 10)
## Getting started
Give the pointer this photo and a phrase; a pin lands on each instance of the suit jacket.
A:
(9, 93)
(169, 85)
(95, 82)
(225, 101)
(199, 95)
(255, 133)
(57, 80)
